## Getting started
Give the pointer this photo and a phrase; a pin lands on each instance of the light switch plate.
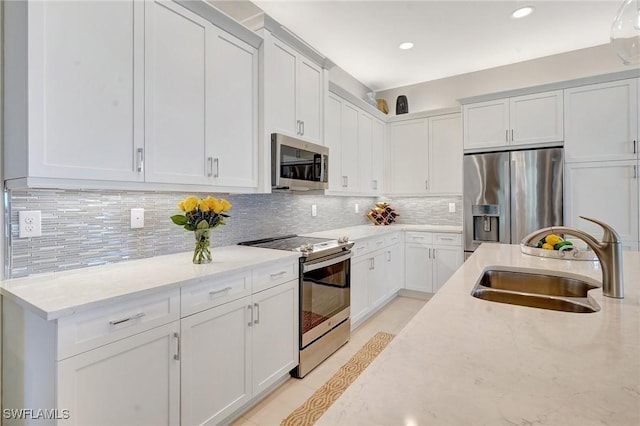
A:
(314, 210)
(452, 207)
(30, 223)
(137, 218)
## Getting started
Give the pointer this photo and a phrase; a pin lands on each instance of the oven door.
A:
(324, 295)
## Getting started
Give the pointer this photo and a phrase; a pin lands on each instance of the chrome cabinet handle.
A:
(345, 181)
(389, 256)
(131, 318)
(446, 239)
(176, 356)
(140, 160)
(216, 162)
(374, 184)
(250, 307)
(302, 127)
(372, 264)
(635, 172)
(511, 135)
(506, 135)
(635, 147)
(209, 166)
(257, 311)
(278, 274)
(222, 290)
(434, 253)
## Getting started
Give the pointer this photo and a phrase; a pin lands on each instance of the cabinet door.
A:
(275, 334)
(309, 87)
(216, 374)
(134, 381)
(418, 268)
(85, 94)
(536, 118)
(394, 278)
(486, 124)
(446, 261)
(607, 191)
(445, 154)
(349, 149)
(365, 155)
(378, 280)
(377, 156)
(409, 156)
(281, 81)
(601, 121)
(232, 116)
(175, 94)
(360, 282)
(333, 140)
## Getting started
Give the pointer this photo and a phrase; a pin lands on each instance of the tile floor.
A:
(286, 398)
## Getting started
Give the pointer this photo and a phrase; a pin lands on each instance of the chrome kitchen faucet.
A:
(609, 252)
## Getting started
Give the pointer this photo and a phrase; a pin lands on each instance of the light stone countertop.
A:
(359, 232)
(464, 361)
(53, 295)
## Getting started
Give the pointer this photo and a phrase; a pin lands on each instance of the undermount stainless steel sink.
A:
(536, 290)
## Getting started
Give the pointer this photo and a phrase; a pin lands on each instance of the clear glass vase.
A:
(201, 252)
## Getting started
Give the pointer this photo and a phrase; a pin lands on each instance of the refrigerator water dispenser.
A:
(485, 222)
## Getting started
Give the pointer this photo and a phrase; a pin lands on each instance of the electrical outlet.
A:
(137, 218)
(314, 210)
(30, 223)
(357, 208)
(452, 207)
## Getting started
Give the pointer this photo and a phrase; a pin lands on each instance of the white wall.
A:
(444, 93)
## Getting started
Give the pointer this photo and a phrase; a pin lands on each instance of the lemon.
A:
(552, 239)
(547, 246)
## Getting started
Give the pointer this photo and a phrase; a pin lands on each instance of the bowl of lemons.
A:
(554, 246)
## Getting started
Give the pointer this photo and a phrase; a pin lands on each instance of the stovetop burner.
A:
(310, 247)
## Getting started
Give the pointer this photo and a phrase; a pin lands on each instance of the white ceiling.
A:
(451, 37)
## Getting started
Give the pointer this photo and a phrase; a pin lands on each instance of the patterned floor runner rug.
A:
(313, 408)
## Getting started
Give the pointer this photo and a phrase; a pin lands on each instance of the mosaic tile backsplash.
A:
(86, 228)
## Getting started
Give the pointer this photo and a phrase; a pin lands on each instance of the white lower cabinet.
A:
(215, 378)
(431, 259)
(138, 362)
(376, 275)
(134, 381)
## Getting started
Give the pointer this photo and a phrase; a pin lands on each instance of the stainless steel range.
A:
(325, 283)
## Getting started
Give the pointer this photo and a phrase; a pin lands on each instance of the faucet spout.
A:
(609, 252)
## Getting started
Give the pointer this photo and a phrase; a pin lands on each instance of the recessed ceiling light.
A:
(406, 45)
(522, 12)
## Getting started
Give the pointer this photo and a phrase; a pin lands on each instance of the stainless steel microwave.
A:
(298, 165)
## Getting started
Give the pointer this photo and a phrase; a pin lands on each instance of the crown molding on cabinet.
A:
(602, 78)
(264, 21)
(222, 21)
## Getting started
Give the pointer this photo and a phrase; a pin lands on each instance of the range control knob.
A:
(344, 239)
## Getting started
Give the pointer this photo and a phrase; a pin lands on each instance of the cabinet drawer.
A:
(394, 238)
(360, 248)
(447, 239)
(214, 292)
(419, 237)
(269, 276)
(91, 329)
(377, 243)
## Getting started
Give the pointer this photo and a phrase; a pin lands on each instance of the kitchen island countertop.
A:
(463, 361)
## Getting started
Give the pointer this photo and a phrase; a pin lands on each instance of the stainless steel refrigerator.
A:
(510, 194)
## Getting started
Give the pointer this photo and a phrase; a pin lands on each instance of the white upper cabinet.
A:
(73, 89)
(232, 111)
(194, 135)
(445, 154)
(601, 121)
(355, 140)
(521, 120)
(409, 156)
(105, 93)
(294, 92)
(175, 94)
(425, 156)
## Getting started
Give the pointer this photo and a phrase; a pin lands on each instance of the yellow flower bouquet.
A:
(199, 216)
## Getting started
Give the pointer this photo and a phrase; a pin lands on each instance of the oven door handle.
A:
(312, 266)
